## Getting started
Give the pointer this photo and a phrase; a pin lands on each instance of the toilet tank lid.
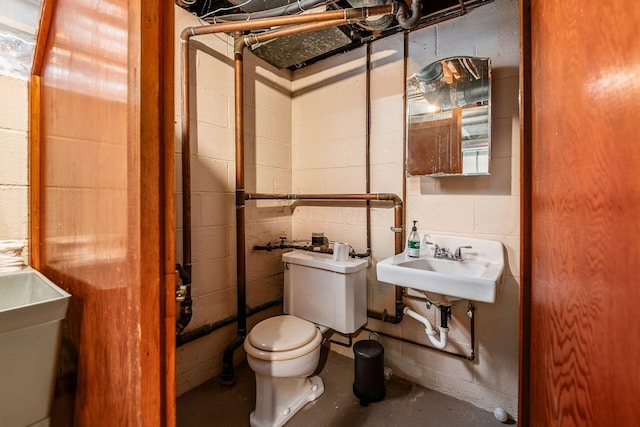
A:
(324, 261)
(282, 333)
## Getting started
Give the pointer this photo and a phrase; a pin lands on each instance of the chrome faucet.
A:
(444, 253)
(458, 254)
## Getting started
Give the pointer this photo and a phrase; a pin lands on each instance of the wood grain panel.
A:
(106, 160)
(585, 213)
(34, 172)
(435, 146)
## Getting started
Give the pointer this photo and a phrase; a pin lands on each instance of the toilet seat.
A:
(282, 338)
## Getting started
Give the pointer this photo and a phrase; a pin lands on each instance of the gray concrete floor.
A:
(405, 403)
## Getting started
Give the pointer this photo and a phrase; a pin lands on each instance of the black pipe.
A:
(343, 344)
(385, 316)
(445, 314)
(228, 376)
(472, 327)
(186, 305)
(428, 347)
(207, 329)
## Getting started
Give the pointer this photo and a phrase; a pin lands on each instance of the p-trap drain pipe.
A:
(439, 343)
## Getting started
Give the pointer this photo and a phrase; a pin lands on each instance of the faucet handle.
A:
(458, 253)
(425, 239)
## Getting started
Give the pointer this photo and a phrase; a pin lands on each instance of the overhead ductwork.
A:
(299, 50)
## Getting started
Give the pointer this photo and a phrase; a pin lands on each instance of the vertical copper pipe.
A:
(368, 142)
(186, 155)
(405, 127)
(240, 205)
(228, 376)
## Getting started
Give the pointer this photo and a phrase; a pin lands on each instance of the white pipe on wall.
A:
(431, 333)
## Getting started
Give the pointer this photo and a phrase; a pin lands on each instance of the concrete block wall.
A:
(14, 168)
(483, 207)
(267, 169)
(328, 146)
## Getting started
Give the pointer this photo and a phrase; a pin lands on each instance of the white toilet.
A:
(283, 351)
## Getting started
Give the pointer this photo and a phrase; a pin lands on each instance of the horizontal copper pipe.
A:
(253, 38)
(359, 13)
(372, 196)
(397, 227)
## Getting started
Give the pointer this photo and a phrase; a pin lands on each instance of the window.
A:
(18, 26)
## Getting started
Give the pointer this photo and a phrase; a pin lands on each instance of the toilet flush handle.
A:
(286, 265)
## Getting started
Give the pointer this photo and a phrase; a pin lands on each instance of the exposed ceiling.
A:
(297, 51)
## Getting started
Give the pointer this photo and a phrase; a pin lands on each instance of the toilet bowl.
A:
(283, 351)
(320, 293)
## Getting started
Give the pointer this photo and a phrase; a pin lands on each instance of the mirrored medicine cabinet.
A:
(449, 118)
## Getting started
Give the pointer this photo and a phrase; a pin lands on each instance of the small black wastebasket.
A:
(369, 371)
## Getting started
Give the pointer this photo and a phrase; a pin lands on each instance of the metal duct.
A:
(293, 50)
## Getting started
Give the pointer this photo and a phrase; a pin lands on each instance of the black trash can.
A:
(369, 371)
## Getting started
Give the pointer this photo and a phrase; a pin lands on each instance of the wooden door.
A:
(581, 204)
(102, 205)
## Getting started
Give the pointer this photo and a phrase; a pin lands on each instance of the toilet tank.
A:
(327, 292)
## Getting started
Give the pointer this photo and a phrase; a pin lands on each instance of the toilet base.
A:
(279, 399)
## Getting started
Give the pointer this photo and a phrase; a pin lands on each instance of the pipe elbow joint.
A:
(404, 20)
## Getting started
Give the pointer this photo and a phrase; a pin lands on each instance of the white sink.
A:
(475, 277)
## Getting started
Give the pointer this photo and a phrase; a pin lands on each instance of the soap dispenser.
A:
(413, 243)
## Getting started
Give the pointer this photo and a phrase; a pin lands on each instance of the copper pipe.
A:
(463, 9)
(240, 216)
(186, 159)
(398, 228)
(405, 128)
(228, 377)
(360, 13)
(367, 155)
(253, 38)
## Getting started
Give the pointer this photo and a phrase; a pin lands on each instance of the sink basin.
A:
(474, 278)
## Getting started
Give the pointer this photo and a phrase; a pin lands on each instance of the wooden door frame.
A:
(155, 81)
(525, 211)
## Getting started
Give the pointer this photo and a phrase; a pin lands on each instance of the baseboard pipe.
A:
(209, 328)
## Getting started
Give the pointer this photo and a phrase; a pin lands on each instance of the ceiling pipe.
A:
(255, 38)
(185, 3)
(344, 15)
(288, 9)
(408, 22)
